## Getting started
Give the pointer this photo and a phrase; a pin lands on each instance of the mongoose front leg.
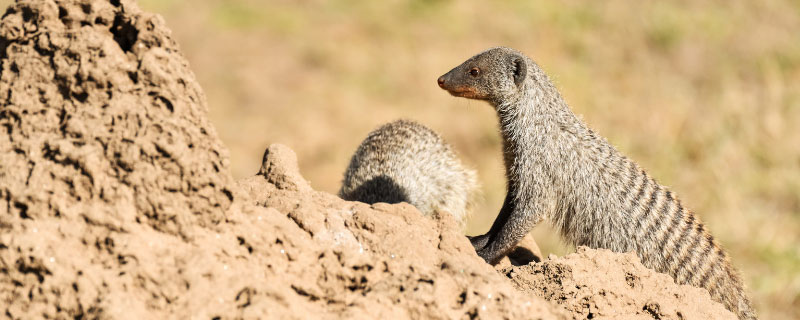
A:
(479, 242)
(511, 225)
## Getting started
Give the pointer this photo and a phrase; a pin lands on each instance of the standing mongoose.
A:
(558, 168)
(404, 161)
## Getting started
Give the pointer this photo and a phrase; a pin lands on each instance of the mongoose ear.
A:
(520, 70)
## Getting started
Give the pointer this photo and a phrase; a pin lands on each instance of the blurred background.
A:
(705, 94)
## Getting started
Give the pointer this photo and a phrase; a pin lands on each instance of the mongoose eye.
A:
(474, 72)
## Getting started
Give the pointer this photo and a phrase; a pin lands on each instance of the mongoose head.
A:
(493, 75)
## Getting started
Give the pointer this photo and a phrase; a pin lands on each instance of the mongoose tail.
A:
(404, 161)
(557, 168)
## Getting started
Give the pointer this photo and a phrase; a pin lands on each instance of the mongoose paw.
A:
(479, 242)
(488, 256)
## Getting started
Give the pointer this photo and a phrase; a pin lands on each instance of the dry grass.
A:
(703, 93)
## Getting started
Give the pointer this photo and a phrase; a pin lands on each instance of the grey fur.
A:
(557, 168)
(404, 161)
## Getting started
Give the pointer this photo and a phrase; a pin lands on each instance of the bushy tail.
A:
(672, 240)
(681, 246)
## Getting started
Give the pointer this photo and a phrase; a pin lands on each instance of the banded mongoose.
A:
(558, 168)
(404, 161)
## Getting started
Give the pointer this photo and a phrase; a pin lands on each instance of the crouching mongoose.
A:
(558, 168)
(404, 161)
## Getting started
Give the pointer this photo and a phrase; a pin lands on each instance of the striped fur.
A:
(404, 161)
(559, 169)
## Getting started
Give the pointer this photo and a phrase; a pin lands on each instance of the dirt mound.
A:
(594, 284)
(109, 164)
(104, 120)
(352, 260)
(116, 199)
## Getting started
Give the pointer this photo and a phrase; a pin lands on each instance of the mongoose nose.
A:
(441, 81)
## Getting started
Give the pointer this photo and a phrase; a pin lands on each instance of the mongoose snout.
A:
(462, 81)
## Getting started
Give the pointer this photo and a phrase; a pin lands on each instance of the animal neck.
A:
(533, 124)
